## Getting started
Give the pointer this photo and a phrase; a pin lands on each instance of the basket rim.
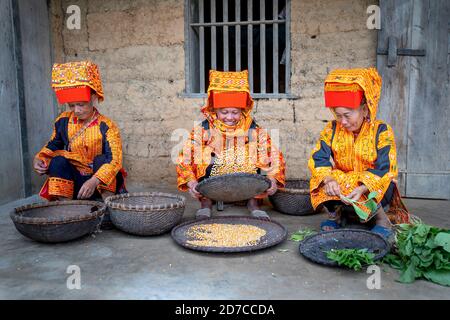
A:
(181, 201)
(303, 191)
(17, 217)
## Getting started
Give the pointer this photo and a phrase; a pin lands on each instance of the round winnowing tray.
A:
(275, 233)
(233, 187)
(315, 247)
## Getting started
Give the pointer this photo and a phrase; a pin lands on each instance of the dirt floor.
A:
(115, 265)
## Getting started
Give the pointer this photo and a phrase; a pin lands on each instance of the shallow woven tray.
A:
(58, 221)
(313, 247)
(294, 199)
(233, 187)
(276, 233)
(146, 213)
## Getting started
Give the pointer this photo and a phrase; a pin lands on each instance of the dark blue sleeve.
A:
(382, 164)
(322, 156)
(60, 138)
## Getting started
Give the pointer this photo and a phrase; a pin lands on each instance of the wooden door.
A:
(413, 60)
(11, 164)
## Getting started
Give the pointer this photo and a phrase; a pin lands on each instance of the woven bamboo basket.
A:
(146, 213)
(294, 199)
(58, 221)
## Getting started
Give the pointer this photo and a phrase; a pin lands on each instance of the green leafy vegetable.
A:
(351, 258)
(369, 203)
(423, 251)
(300, 235)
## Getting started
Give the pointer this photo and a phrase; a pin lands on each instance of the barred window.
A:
(234, 35)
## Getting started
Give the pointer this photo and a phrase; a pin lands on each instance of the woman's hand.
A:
(273, 187)
(39, 166)
(331, 187)
(356, 193)
(88, 188)
(193, 192)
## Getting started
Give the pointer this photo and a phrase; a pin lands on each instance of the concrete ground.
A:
(115, 265)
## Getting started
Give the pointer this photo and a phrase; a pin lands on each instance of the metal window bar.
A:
(249, 22)
(202, 46)
(288, 49)
(250, 44)
(262, 45)
(275, 61)
(238, 36)
(237, 23)
(213, 36)
(226, 51)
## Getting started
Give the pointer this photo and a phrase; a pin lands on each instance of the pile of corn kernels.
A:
(224, 235)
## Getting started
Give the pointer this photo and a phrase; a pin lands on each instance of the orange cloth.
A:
(370, 159)
(230, 100)
(80, 74)
(74, 94)
(343, 95)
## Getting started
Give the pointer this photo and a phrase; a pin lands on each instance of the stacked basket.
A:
(146, 213)
(294, 199)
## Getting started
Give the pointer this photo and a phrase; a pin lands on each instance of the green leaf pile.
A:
(423, 251)
(300, 235)
(369, 203)
(351, 258)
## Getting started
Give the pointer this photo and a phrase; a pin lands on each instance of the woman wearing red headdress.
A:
(228, 141)
(83, 158)
(356, 154)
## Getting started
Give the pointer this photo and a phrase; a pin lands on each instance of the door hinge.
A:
(392, 52)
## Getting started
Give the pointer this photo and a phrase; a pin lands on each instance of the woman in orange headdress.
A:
(83, 158)
(356, 154)
(228, 141)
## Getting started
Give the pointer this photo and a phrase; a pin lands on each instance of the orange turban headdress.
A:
(347, 87)
(74, 81)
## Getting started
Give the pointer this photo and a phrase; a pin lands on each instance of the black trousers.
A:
(60, 167)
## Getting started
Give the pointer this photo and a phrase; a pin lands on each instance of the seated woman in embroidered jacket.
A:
(356, 155)
(228, 141)
(83, 158)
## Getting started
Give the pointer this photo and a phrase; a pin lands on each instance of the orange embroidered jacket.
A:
(101, 137)
(204, 143)
(370, 159)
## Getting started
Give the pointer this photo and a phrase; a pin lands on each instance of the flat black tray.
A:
(233, 187)
(276, 233)
(315, 246)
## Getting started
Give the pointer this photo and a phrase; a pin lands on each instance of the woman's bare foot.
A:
(382, 219)
(205, 210)
(332, 217)
(206, 203)
(252, 204)
(255, 211)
